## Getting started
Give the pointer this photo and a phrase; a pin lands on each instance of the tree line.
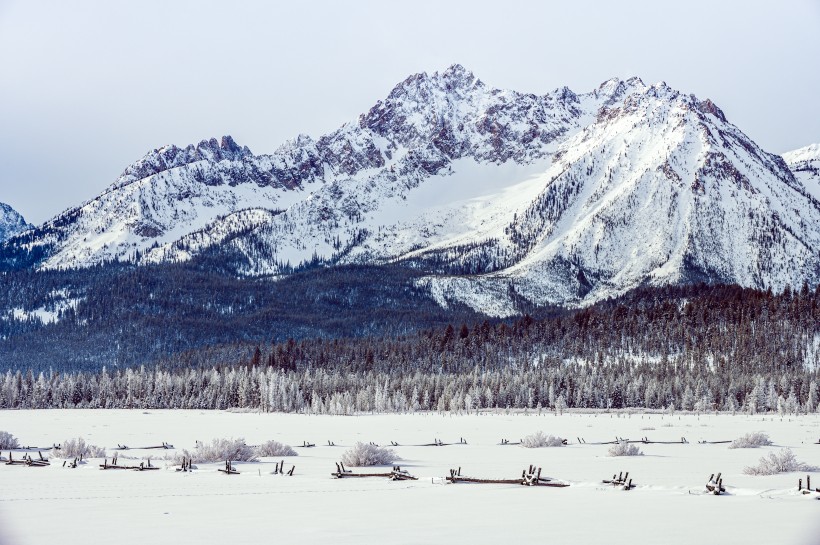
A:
(319, 391)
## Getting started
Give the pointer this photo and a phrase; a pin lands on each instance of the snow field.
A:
(669, 505)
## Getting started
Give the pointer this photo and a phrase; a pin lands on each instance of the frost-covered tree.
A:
(771, 396)
(688, 400)
(8, 441)
(560, 404)
(791, 405)
(812, 398)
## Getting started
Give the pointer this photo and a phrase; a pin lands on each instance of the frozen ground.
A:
(85, 505)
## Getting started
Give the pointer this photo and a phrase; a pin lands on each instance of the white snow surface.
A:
(60, 301)
(670, 505)
(42, 314)
(806, 153)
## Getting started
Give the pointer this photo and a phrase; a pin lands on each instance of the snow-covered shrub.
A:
(78, 448)
(778, 462)
(274, 448)
(751, 440)
(539, 440)
(8, 441)
(365, 454)
(220, 450)
(622, 448)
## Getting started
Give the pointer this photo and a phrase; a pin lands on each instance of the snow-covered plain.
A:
(85, 505)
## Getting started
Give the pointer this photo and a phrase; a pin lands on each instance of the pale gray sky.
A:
(87, 87)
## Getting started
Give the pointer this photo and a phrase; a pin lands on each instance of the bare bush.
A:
(622, 448)
(8, 441)
(751, 440)
(778, 462)
(539, 440)
(274, 448)
(219, 450)
(78, 448)
(365, 454)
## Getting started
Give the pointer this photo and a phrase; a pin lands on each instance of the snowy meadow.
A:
(669, 503)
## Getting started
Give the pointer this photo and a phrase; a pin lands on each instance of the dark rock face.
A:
(709, 107)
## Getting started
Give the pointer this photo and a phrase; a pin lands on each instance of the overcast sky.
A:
(88, 87)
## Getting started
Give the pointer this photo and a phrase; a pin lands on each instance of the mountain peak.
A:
(457, 73)
(614, 89)
(11, 222)
(227, 143)
(301, 141)
(455, 78)
(225, 148)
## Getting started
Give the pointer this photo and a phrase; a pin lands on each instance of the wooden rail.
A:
(643, 440)
(28, 461)
(395, 474)
(715, 485)
(808, 489)
(164, 446)
(529, 477)
(115, 465)
(621, 480)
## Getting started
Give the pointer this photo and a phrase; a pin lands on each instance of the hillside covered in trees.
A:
(693, 347)
(121, 315)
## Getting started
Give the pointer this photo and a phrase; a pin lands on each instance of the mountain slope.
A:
(662, 190)
(500, 197)
(11, 222)
(805, 165)
(166, 194)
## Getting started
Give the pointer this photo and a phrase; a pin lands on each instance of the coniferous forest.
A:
(695, 347)
(120, 315)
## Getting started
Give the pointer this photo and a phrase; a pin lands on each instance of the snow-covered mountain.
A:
(805, 164)
(11, 222)
(563, 197)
